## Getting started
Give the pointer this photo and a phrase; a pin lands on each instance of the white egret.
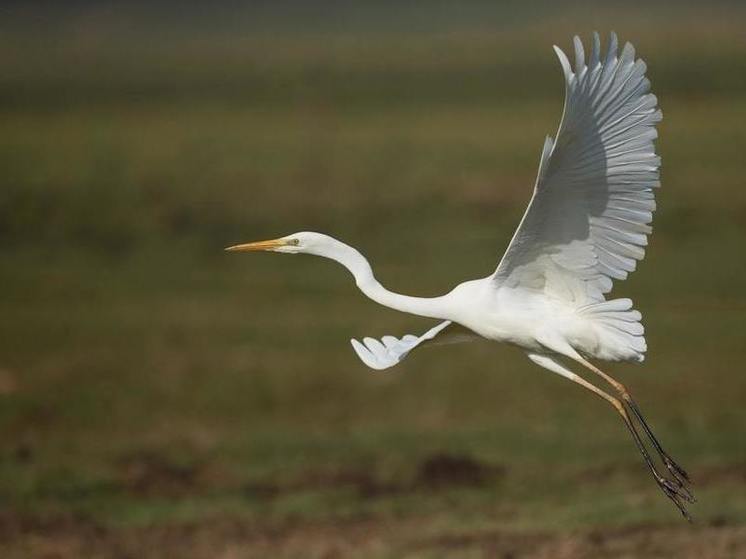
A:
(586, 225)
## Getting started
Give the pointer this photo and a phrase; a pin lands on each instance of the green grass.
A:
(149, 380)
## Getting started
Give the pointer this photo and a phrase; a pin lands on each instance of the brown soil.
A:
(440, 471)
(62, 536)
(70, 537)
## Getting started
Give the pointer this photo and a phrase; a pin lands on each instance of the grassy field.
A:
(160, 398)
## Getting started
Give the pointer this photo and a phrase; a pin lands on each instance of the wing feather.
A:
(589, 217)
(390, 350)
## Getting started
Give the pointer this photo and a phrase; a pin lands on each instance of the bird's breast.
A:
(512, 317)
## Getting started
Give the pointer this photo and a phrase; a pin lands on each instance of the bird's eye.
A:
(294, 242)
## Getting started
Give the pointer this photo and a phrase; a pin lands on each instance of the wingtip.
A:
(595, 51)
(367, 356)
(579, 54)
(628, 53)
(358, 347)
(564, 62)
(613, 42)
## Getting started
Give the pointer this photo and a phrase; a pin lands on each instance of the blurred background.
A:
(160, 398)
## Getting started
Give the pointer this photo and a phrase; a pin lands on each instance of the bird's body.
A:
(507, 315)
(521, 317)
(585, 226)
(530, 318)
(537, 323)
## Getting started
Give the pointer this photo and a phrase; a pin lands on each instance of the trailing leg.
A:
(676, 471)
(673, 490)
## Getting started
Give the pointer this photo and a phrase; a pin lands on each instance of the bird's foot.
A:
(679, 474)
(676, 493)
(685, 492)
(673, 487)
(676, 471)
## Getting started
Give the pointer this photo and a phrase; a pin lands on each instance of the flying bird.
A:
(587, 224)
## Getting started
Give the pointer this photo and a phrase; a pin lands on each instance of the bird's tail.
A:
(620, 332)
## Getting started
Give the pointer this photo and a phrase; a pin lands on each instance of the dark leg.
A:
(677, 471)
(672, 489)
(679, 474)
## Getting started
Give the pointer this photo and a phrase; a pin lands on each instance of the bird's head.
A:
(304, 242)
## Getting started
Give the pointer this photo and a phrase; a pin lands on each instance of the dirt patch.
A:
(364, 482)
(503, 544)
(8, 382)
(682, 542)
(51, 536)
(152, 474)
(449, 470)
(439, 471)
(721, 473)
(72, 537)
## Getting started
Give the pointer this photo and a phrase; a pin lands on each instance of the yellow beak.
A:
(259, 245)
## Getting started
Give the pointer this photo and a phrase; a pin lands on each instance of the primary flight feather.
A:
(586, 225)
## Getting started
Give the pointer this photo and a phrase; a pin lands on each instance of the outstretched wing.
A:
(390, 350)
(590, 214)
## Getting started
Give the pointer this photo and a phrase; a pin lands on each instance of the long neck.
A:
(356, 263)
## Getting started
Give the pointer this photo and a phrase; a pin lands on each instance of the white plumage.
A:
(589, 217)
(390, 350)
(588, 220)
(585, 226)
